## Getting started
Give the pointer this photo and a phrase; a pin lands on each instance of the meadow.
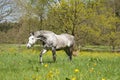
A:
(19, 63)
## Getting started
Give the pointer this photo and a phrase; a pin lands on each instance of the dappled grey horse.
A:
(52, 41)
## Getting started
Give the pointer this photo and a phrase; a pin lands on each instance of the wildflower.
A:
(74, 78)
(76, 70)
(50, 74)
(103, 79)
(92, 69)
(33, 76)
(94, 64)
(46, 65)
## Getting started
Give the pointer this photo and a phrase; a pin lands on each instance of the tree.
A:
(108, 24)
(73, 17)
(7, 10)
(35, 9)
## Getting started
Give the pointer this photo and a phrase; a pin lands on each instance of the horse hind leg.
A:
(54, 54)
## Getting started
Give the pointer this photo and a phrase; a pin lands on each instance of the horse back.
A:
(65, 40)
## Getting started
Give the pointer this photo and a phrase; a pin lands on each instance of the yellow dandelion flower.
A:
(92, 69)
(74, 78)
(33, 76)
(103, 79)
(76, 70)
(36, 79)
(50, 74)
(46, 65)
(94, 64)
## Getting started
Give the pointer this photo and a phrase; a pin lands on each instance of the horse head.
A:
(34, 36)
(31, 41)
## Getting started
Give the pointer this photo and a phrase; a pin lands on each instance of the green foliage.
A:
(5, 26)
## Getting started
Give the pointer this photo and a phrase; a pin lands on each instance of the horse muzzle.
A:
(28, 45)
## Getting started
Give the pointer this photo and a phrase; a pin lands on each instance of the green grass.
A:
(19, 63)
(100, 48)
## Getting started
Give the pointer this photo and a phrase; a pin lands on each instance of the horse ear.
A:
(32, 33)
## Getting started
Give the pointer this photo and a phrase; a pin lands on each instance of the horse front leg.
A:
(54, 53)
(68, 51)
(71, 52)
(41, 53)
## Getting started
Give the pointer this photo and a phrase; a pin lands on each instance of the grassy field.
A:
(19, 63)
